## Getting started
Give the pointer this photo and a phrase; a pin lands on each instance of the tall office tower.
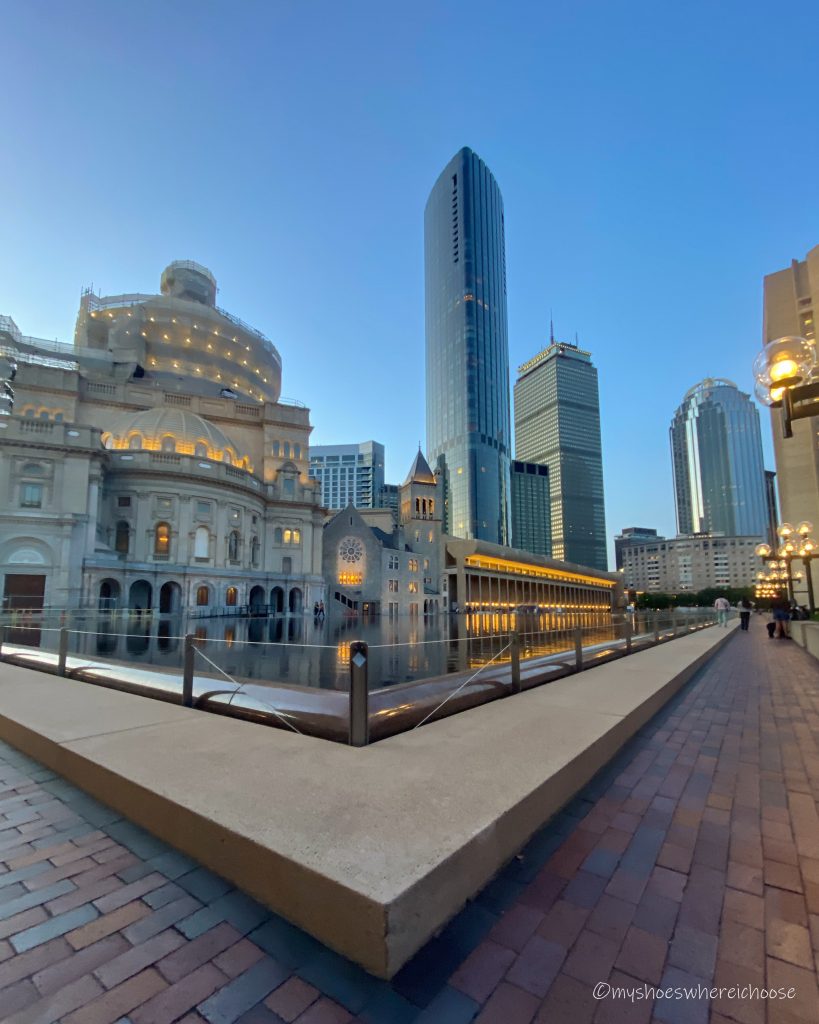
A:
(791, 307)
(716, 451)
(557, 423)
(531, 510)
(773, 506)
(467, 353)
(349, 474)
(632, 535)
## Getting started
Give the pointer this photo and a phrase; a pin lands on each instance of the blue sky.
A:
(656, 160)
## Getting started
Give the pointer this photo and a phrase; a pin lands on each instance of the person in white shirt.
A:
(722, 606)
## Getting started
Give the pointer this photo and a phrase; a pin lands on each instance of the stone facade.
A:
(690, 563)
(375, 565)
(137, 473)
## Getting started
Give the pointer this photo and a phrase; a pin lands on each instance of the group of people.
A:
(782, 612)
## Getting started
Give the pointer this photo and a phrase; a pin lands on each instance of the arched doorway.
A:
(277, 600)
(295, 601)
(170, 596)
(140, 596)
(256, 599)
(109, 595)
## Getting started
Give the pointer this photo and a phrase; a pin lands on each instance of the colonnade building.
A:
(153, 465)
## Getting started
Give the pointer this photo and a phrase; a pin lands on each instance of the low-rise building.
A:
(690, 563)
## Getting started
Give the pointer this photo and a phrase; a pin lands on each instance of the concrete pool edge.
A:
(371, 850)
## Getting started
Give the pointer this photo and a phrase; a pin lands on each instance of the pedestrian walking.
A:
(781, 608)
(722, 606)
(745, 607)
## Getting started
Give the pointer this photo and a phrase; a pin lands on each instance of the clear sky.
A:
(656, 160)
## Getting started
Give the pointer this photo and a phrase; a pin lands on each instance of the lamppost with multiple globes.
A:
(794, 543)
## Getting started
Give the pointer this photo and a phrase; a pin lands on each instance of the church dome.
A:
(173, 430)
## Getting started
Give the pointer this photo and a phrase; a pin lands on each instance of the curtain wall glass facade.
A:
(716, 452)
(467, 354)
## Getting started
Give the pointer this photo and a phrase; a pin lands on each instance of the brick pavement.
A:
(693, 858)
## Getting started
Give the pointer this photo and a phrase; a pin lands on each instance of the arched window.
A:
(231, 596)
(276, 449)
(168, 444)
(203, 596)
(296, 451)
(162, 539)
(123, 538)
(58, 417)
(288, 536)
(296, 537)
(201, 542)
(277, 535)
(233, 546)
(44, 415)
(201, 450)
(286, 447)
(135, 442)
(254, 551)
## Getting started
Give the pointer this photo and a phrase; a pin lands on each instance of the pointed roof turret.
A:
(420, 473)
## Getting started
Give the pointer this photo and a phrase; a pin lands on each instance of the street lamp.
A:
(787, 378)
(795, 542)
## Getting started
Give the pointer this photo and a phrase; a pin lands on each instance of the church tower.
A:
(420, 518)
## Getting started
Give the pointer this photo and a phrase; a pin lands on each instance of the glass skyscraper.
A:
(716, 451)
(557, 423)
(467, 353)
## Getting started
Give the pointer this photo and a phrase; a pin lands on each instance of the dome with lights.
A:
(173, 430)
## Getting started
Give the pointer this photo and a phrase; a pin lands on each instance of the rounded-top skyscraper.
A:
(467, 351)
(716, 450)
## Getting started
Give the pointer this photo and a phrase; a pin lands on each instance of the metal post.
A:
(2, 638)
(359, 735)
(514, 645)
(656, 627)
(628, 634)
(62, 651)
(578, 649)
(674, 625)
(187, 671)
(809, 580)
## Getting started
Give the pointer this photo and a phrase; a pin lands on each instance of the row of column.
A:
(485, 591)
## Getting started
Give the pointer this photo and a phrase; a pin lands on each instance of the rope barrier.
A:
(239, 687)
(463, 684)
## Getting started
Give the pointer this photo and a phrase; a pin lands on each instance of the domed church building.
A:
(153, 465)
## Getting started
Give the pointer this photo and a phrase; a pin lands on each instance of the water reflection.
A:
(304, 652)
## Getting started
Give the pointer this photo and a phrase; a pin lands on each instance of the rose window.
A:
(351, 550)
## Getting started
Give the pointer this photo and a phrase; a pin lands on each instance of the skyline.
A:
(639, 216)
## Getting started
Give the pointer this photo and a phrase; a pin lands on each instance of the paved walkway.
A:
(693, 859)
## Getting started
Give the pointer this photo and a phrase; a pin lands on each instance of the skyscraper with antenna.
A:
(557, 424)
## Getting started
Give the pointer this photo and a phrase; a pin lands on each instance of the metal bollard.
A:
(187, 671)
(514, 645)
(578, 649)
(2, 639)
(674, 625)
(359, 734)
(62, 651)
(628, 634)
(656, 627)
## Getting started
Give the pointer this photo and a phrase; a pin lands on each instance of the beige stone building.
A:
(690, 563)
(791, 307)
(153, 464)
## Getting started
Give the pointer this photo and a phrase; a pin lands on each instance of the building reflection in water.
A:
(300, 651)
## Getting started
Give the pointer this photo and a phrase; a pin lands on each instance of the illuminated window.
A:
(162, 539)
(231, 596)
(201, 450)
(135, 442)
(350, 579)
(412, 588)
(168, 444)
(203, 596)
